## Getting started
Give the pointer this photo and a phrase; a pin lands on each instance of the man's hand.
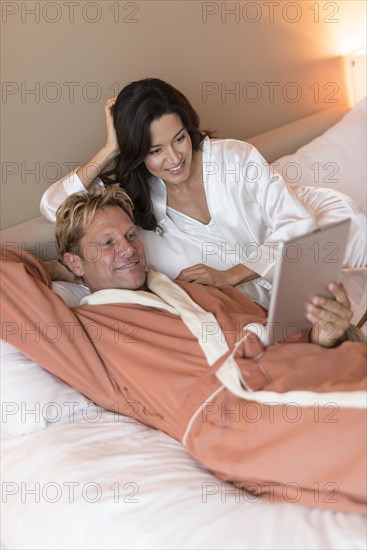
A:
(331, 317)
(58, 272)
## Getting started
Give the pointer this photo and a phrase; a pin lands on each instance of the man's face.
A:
(112, 255)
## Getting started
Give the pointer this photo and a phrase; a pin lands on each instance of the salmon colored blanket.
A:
(287, 422)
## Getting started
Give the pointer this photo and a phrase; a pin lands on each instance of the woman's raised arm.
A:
(86, 175)
(90, 170)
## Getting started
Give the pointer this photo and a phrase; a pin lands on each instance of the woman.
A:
(210, 210)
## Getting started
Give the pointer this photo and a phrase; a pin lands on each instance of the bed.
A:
(75, 476)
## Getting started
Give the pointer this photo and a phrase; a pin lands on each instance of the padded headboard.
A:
(286, 139)
(37, 235)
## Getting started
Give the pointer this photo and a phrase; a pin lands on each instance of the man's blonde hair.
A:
(76, 213)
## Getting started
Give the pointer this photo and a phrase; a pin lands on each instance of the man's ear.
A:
(74, 263)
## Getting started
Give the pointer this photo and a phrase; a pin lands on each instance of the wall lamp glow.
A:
(357, 75)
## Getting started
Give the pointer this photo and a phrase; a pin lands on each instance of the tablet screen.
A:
(305, 266)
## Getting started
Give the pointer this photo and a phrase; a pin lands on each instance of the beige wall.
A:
(246, 66)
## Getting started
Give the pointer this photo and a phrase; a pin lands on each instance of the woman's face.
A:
(170, 154)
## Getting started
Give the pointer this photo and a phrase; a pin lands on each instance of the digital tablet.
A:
(304, 268)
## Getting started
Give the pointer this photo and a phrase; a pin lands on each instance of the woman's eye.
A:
(132, 236)
(155, 152)
(181, 138)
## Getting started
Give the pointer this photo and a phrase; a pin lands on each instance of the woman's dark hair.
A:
(137, 105)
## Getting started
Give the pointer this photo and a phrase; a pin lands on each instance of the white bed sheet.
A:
(166, 500)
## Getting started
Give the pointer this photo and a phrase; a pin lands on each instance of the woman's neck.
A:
(190, 197)
(193, 182)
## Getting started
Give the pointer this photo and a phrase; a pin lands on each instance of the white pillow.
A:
(336, 159)
(32, 398)
(71, 293)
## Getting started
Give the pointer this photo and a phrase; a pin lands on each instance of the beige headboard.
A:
(37, 235)
(286, 139)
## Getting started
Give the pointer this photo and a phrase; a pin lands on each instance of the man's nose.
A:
(124, 249)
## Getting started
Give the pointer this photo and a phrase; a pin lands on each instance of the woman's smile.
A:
(178, 169)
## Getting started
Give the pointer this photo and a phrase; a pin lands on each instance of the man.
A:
(178, 351)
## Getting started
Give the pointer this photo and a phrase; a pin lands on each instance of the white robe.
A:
(252, 210)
